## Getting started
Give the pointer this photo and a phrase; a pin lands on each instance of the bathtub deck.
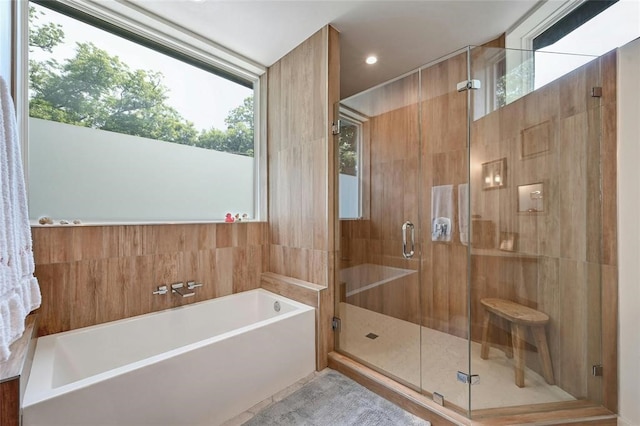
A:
(211, 377)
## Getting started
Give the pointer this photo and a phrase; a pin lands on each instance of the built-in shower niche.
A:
(376, 288)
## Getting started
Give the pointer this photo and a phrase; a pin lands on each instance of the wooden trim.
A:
(500, 42)
(561, 413)
(10, 403)
(293, 288)
(14, 374)
(400, 395)
(13, 367)
(609, 275)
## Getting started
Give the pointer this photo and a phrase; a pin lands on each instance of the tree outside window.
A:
(96, 89)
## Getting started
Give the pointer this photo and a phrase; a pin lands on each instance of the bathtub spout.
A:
(180, 290)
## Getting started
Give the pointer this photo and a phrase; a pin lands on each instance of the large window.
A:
(583, 28)
(124, 129)
(593, 28)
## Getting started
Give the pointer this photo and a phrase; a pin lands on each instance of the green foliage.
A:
(515, 84)
(348, 149)
(238, 138)
(95, 89)
(47, 36)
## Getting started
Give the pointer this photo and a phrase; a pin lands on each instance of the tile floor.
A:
(396, 350)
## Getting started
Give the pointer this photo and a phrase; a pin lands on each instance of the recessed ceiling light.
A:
(371, 60)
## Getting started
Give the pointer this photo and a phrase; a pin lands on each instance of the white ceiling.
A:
(403, 34)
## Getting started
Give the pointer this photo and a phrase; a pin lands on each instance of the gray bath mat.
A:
(333, 399)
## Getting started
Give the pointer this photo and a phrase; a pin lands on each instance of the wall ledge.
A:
(293, 288)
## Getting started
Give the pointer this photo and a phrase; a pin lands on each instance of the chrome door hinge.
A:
(473, 379)
(438, 398)
(335, 128)
(468, 84)
(336, 324)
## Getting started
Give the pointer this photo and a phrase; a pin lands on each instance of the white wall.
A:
(93, 175)
(629, 231)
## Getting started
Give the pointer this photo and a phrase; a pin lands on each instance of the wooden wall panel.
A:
(609, 149)
(444, 162)
(391, 197)
(303, 87)
(299, 159)
(10, 403)
(93, 274)
(573, 239)
(14, 373)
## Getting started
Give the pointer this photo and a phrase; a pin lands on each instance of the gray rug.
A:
(333, 399)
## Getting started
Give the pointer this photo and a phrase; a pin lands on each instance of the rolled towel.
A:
(441, 212)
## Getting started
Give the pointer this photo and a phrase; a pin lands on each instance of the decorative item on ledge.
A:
(237, 218)
(46, 220)
(508, 241)
(494, 174)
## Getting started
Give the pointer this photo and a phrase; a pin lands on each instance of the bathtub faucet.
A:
(191, 285)
(180, 290)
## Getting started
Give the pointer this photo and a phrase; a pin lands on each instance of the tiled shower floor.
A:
(396, 350)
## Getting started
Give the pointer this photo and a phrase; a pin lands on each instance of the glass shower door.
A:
(378, 293)
(536, 233)
(444, 196)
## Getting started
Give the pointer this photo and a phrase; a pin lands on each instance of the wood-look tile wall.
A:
(401, 181)
(444, 162)
(299, 155)
(390, 182)
(303, 87)
(93, 274)
(564, 138)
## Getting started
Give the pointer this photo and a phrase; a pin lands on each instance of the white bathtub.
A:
(200, 364)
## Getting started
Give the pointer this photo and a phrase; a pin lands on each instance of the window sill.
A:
(36, 224)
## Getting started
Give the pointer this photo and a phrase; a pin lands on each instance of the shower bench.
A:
(520, 317)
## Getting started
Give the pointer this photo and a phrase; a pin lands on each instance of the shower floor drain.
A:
(371, 336)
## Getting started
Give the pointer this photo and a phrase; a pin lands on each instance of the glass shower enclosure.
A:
(471, 253)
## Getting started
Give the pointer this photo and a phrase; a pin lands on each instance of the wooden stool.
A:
(520, 317)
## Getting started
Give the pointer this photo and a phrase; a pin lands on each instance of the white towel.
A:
(463, 212)
(19, 290)
(441, 212)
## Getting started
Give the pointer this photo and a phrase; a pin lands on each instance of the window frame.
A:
(520, 36)
(165, 37)
(569, 22)
(351, 117)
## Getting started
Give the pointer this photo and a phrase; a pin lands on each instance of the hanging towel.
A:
(441, 212)
(463, 212)
(19, 290)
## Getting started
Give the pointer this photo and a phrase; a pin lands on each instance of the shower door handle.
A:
(406, 226)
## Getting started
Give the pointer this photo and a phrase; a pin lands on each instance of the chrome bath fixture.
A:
(191, 285)
(162, 289)
(181, 290)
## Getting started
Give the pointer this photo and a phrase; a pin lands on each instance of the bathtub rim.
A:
(41, 389)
